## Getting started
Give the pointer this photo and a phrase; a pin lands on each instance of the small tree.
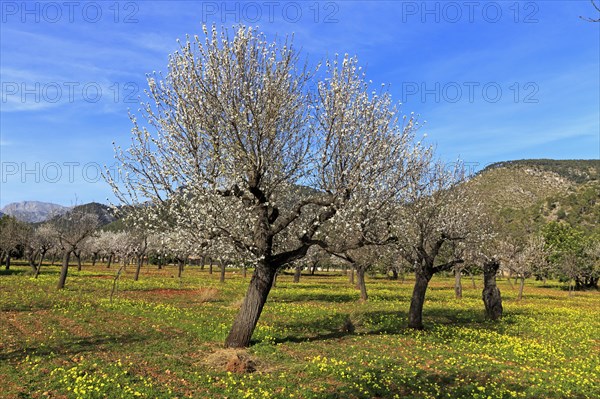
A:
(72, 229)
(432, 221)
(40, 241)
(525, 259)
(567, 248)
(13, 235)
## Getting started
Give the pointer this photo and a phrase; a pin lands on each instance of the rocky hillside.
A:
(526, 194)
(104, 212)
(34, 211)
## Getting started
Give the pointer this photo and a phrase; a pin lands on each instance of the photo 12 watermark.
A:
(326, 12)
(53, 12)
(68, 92)
(452, 12)
(470, 91)
(56, 172)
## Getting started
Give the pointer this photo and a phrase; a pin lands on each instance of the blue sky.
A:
(495, 80)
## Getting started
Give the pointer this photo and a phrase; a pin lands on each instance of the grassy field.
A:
(162, 337)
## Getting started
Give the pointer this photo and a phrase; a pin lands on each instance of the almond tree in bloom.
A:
(245, 150)
(432, 227)
(73, 229)
(39, 241)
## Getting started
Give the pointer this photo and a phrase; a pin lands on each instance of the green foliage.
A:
(563, 240)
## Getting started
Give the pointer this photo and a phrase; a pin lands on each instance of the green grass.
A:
(160, 337)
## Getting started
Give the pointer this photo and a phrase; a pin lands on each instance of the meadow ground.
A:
(161, 337)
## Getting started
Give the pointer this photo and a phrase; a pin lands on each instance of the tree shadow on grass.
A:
(337, 327)
(72, 346)
(423, 383)
(318, 297)
(14, 272)
(26, 307)
(388, 323)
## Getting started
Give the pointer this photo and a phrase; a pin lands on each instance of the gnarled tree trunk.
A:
(140, 261)
(297, 273)
(222, 275)
(78, 256)
(64, 270)
(491, 294)
(458, 289)
(39, 265)
(361, 284)
(254, 301)
(521, 286)
(415, 313)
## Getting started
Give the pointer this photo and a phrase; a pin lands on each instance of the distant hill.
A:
(526, 194)
(578, 171)
(104, 212)
(34, 211)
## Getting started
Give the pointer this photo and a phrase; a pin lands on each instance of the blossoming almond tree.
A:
(242, 146)
(431, 226)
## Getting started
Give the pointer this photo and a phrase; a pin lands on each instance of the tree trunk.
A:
(78, 256)
(140, 261)
(210, 267)
(491, 294)
(510, 282)
(222, 275)
(53, 260)
(179, 267)
(415, 313)
(37, 270)
(297, 273)
(110, 258)
(39, 265)
(274, 284)
(394, 274)
(94, 257)
(252, 306)
(521, 285)
(31, 261)
(351, 277)
(7, 262)
(313, 269)
(458, 289)
(472, 280)
(63, 271)
(360, 276)
(244, 270)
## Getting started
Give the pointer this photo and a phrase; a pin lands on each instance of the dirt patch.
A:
(232, 360)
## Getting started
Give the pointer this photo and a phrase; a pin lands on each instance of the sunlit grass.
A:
(154, 339)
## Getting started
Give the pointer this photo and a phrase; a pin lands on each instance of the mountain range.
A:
(34, 211)
(523, 194)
